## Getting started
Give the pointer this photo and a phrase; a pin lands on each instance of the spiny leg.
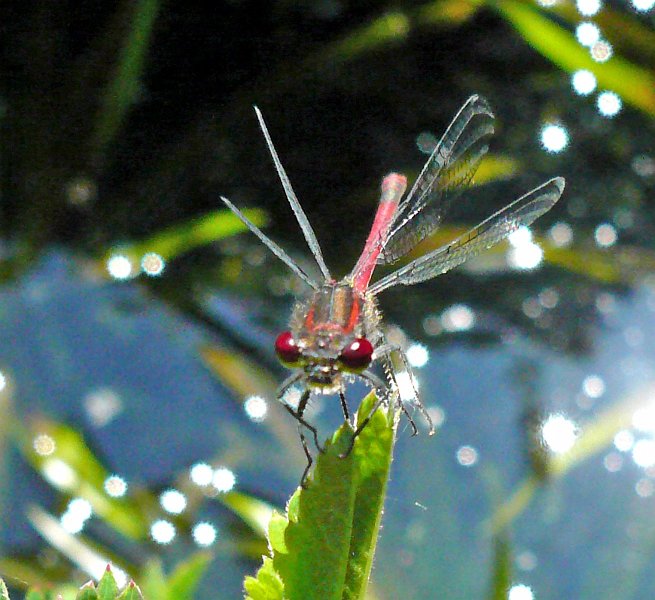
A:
(386, 351)
(298, 416)
(344, 406)
(360, 426)
(308, 454)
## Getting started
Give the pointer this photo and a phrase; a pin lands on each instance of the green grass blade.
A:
(185, 578)
(123, 89)
(4, 594)
(199, 231)
(502, 571)
(634, 84)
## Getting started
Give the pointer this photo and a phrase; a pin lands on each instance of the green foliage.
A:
(324, 546)
(199, 231)
(632, 82)
(180, 585)
(123, 88)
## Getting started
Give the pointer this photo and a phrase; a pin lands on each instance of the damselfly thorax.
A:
(332, 334)
(335, 334)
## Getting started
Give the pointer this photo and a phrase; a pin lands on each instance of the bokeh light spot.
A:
(201, 474)
(554, 138)
(173, 501)
(467, 456)
(223, 479)
(559, 433)
(204, 534)
(152, 264)
(115, 486)
(162, 532)
(418, 355)
(119, 267)
(605, 235)
(583, 82)
(44, 445)
(587, 33)
(520, 592)
(609, 104)
(458, 317)
(256, 408)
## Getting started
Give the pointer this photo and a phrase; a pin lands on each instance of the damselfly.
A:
(335, 333)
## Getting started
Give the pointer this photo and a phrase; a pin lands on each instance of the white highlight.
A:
(458, 317)
(163, 532)
(201, 474)
(624, 440)
(587, 34)
(59, 473)
(520, 237)
(593, 386)
(119, 266)
(559, 433)
(526, 257)
(76, 515)
(115, 486)
(643, 453)
(601, 51)
(3, 381)
(173, 501)
(554, 138)
(407, 387)
(588, 8)
(643, 5)
(561, 234)
(584, 82)
(609, 104)
(224, 479)
(204, 534)
(152, 264)
(643, 419)
(467, 456)
(605, 235)
(520, 592)
(256, 408)
(102, 406)
(418, 355)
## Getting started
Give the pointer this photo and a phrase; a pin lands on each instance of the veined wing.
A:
(447, 172)
(491, 231)
(307, 230)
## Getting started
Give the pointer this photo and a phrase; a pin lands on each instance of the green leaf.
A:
(324, 547)
(593, 438)
(73, 469)
(153, 580)
(34, 595)
(184, 580)
(199, 231)
(254, 512)
(131, 592)
(267, 585)
(123, 89)
(87, 592)
(634, 84)
(107, 586)
(4, 594)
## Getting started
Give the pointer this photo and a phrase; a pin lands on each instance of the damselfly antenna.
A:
(307, 230)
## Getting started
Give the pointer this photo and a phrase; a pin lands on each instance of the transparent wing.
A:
(307, 230)
(447, 172)
(271, 245)
(491, 231)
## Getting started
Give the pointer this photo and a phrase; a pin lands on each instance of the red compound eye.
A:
(286, 348)
(357, 355)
